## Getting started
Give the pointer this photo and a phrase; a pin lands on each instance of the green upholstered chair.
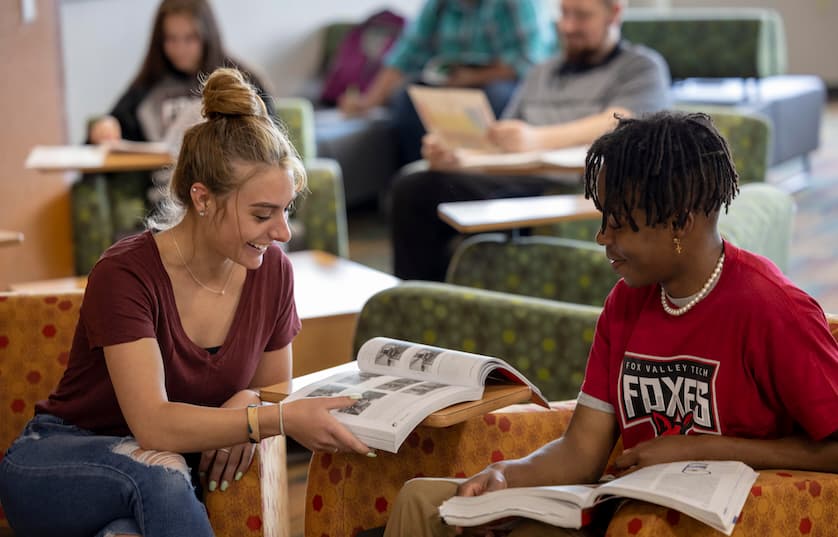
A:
(548, 341)
(760, 219)
(712, 43)
(749, 137)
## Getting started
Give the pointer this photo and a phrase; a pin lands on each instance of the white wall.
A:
(104, 41)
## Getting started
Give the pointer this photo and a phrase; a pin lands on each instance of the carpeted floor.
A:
(814, 253)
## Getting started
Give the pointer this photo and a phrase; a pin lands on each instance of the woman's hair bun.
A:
(225, 92)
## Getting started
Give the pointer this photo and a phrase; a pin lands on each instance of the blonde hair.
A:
(237, 130)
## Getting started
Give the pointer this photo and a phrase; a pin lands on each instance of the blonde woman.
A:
(179, 325)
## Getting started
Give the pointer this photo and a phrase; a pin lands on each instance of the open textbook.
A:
(461, 118)
(401, 383)
(712, 492)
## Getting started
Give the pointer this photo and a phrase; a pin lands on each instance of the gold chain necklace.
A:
(199, 282)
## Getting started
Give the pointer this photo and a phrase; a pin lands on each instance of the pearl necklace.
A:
(199, 282)
(698, 296)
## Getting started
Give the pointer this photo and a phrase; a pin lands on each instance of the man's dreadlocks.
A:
(668, 164)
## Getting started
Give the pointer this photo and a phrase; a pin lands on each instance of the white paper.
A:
(66, 156)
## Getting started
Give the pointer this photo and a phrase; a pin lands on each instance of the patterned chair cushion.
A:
(547, 341)
(347, 493)
(36, 332)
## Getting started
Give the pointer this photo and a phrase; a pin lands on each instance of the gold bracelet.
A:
(281, 421)
(253, 424)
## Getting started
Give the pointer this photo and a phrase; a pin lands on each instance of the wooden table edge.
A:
(511, 224)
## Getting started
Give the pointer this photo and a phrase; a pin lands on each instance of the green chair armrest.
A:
(322, 210)
(297, 115)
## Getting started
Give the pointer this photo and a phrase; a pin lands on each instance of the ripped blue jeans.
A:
(59, 477)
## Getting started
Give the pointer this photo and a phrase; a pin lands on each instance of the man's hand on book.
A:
(439, 155)
(514, 136)
(663, 449)
(311, 424)
(487, 480)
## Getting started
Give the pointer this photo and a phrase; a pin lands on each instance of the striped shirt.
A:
(517, 33)
(632, 77)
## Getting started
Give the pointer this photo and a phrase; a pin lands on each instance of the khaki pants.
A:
(416, 514)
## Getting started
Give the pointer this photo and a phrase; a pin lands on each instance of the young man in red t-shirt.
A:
(702, 351)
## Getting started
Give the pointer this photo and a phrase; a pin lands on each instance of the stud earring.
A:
(202, 213)
(194, 189)
(677, 242)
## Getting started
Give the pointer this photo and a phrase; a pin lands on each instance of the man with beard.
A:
(567, 101)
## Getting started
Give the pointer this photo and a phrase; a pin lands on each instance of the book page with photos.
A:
(400, 384)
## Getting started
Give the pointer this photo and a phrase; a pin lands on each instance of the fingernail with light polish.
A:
(212, 486)
(372, 454)
(355, 396)
(224, 485)
(239, 475)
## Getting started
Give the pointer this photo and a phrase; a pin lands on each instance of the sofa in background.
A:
(347, 493)
(760, 219)
(36, 331)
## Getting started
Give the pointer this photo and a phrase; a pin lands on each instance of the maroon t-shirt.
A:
(129, 296)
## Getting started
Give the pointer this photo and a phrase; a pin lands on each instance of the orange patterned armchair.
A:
(347, 493)
(36, 331)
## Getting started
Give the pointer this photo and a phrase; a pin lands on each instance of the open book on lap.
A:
(712, 492)
(401, 383)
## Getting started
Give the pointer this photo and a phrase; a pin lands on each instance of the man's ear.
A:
(689, 226)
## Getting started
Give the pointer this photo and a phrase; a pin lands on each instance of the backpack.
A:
(359, 55)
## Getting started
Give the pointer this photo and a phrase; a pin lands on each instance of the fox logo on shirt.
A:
(674, 395)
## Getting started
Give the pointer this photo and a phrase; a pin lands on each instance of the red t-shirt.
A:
(753, 359)
(129, 296)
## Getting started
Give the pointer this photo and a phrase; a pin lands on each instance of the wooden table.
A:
(10, 238)
(330, 293)
(494, 396)
(131, 162)
(78, 158)
(513, 213)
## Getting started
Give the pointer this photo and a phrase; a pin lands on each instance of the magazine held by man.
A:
(712, 492)
(401, 383)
